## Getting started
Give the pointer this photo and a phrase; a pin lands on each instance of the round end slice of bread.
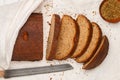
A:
(53, 37)
(84, 37)
(110, 10)
(67, 38)
(94, 44)
(99, 56)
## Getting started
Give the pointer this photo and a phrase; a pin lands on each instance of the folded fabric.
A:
(12, 18)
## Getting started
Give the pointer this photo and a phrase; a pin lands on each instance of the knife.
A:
(36, 70)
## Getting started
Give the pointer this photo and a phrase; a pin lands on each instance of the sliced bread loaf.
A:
(99, 56)
(67, 38)
(84, 37)
(94, 43)
(53, 37)
(110, 10)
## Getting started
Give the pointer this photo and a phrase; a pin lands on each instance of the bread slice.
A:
(95, 41)
(67, 39)
(84, 37)
(99, 56)
(110, 10)
(53, 37)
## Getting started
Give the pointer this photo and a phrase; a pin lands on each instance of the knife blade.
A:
(36, 70)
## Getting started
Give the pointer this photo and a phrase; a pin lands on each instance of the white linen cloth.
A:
(12, 17)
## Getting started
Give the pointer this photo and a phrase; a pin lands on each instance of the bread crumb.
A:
(50, 78)
(75, 15)
(48, 23)
(47, 6)
(49, 15)
(51, 64)
(94, 13)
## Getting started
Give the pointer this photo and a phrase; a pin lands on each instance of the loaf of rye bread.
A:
(110, 10)
(53, 37)
(94, 43)
(29, 43)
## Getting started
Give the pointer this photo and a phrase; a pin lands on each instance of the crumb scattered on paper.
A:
(51, 78)
(48, 23)
(94, 13)
(48, 6)
(51, 64)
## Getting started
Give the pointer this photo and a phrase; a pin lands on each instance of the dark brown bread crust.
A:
(29, 43)
(51, 55)
(99, 56)
(114, 20)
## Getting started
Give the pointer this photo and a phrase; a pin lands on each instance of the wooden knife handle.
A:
(1, 73)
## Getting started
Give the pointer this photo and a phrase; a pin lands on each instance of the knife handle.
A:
(1, 73)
